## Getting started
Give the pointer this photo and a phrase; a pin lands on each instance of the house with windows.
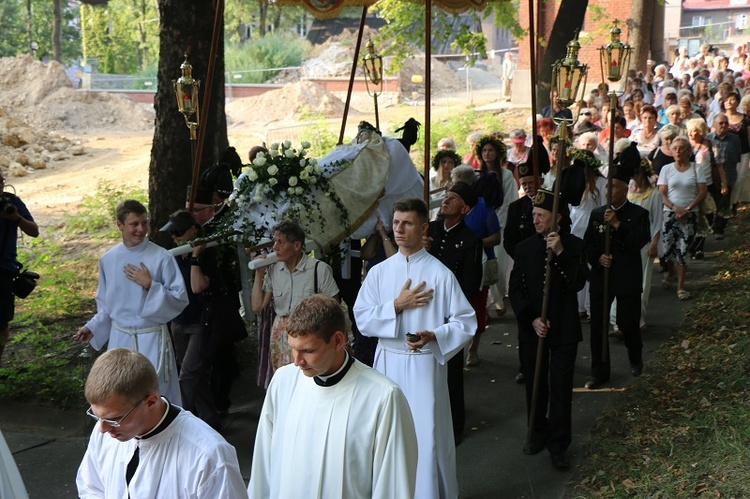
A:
(720, 23)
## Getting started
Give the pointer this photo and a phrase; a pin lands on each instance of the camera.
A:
(7, 206)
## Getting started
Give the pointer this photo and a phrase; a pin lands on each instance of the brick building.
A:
(594, 34)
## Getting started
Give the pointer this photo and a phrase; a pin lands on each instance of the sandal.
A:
(683, 295)
(666, 282)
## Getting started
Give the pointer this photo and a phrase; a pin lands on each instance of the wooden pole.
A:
(354, 73)
(427, 95)
(218, 20)
(540, 349)
(608, 227)
(532, 73)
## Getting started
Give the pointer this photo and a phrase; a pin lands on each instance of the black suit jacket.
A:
(626, 273)
(461, 251)
(519, 224)
(527, 288)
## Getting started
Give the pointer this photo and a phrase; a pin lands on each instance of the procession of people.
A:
(379, 412)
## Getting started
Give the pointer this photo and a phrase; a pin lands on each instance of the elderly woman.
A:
(702, 149)
(470, 159)
(674, 116)
(494, 155)
(519, 153)
(662, 155)
(682, 186)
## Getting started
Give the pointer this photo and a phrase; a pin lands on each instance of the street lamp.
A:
(614, 59)
(567, 75)
(186, 90)
(373, 63)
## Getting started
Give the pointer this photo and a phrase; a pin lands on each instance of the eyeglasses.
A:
(585, 114)
(111, 422)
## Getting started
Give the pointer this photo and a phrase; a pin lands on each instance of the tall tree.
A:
(57, 30)
(569, 19)
(639, 31)
(185, 27)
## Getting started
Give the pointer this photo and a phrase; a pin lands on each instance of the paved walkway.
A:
(48, 444)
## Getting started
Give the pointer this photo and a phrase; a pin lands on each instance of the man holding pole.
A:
(560, 332)
(629, 232)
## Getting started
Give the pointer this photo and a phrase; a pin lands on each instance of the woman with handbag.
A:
(682, 186)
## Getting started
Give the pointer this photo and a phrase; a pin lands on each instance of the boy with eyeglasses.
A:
(140, 291)
(145, 446)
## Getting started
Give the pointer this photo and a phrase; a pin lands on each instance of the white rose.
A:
(273, 170)
(302, 153)
(292, 181)
(287, 144)
(290, 190)
(317, 169)
(275, 146)
(299, 190)
(312, 180)
(304, 175)
(259, 160)
(272, 181)
(258, 197)
(252, 175)
(274, 153)
(289, 153)
(305, 145)
(302, 163)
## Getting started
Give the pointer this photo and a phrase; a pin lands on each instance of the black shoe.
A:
(534, 447)
(636, 369)
(560, 461)
(593, 384)
(520, 378)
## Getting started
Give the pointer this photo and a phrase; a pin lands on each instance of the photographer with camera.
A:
(13, 216)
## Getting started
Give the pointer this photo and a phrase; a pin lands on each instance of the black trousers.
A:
(456, 393)
(552, 417)
(628, 321)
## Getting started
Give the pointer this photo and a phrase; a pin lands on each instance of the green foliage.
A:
(506, 16)
(96, 213)
(271, 51)
(123, 35)
(20, 27)
(471, 44)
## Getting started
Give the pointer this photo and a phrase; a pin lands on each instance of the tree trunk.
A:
(639, 32)
(569, 19)
(185, 27)
(57, 30)
(276, 18)
(263, 7)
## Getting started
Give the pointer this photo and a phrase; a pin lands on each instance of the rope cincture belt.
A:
(165, 353)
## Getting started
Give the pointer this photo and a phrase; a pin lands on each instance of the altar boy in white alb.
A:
(140, 290)
(331, 427)
(412, 292)
(143, 446)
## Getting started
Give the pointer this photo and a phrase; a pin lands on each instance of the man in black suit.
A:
(459, 249)
(629, 231)
(561, 331)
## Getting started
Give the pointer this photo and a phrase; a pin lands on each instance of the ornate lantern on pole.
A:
(614, 58)
(567, 76)
(373, 63)
(186, 89)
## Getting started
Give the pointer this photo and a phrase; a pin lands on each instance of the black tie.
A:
(132, 465)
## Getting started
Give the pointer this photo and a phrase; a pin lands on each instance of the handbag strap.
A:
(315, 277)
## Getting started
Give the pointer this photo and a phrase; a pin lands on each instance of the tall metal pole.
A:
(540, 348)
(427, 94)
(351, 77)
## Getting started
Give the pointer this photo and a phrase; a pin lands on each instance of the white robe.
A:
(354, 439)
(421, 375)
(186, 460)
(11, 483)
(504, 261)
(122, 301)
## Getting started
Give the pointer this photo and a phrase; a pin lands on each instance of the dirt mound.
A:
(43, 96)
(444, 79)
(291, 101)
(25, 149)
